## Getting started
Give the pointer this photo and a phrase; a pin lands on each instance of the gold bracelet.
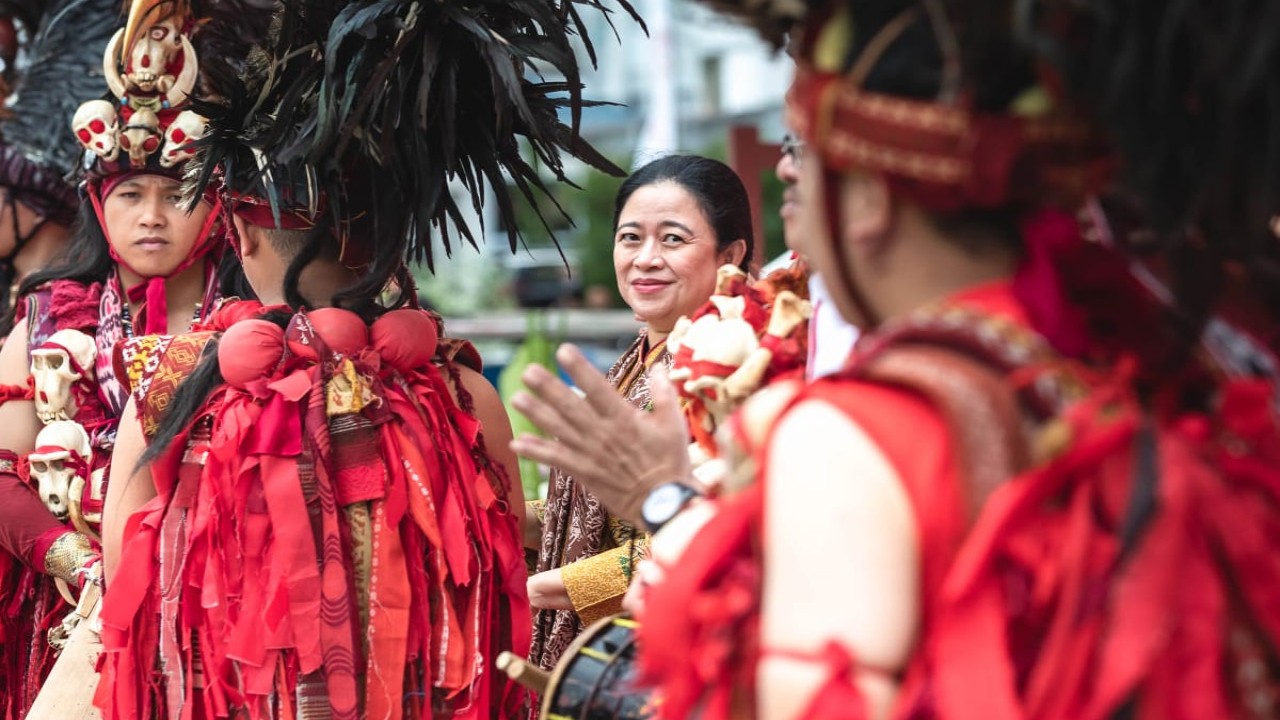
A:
(67, 557)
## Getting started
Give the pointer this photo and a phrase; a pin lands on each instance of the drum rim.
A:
(584, 637)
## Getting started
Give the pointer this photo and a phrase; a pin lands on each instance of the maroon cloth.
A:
(25, 519)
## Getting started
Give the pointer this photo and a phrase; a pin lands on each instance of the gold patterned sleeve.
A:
(596, 584)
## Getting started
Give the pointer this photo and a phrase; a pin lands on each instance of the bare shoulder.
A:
(479, 387)
(833, 493)
(481, 392)
(830, 450)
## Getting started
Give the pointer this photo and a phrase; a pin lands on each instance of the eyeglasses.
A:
(793, 146)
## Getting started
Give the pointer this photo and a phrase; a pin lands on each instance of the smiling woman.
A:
(676, 221)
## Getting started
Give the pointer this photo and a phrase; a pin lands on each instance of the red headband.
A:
(946, 156)
(257, 211)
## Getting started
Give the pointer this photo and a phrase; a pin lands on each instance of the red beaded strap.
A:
(25, 391)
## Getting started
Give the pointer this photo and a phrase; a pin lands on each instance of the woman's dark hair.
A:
(1191, 98)
(86, 258)
(715, 186)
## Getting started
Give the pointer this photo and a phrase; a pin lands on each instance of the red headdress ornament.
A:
(1033, 156)
(943, 153)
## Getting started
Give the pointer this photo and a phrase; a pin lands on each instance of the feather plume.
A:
(370, 108)
(64, 70)
(225, 32)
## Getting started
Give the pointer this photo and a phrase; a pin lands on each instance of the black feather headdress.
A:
(64, 68)
(360, 114)
(19, 20)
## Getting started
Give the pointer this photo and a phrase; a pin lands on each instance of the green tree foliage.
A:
(538, 348)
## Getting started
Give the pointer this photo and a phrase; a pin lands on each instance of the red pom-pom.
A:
(250, 350)
(342, 332)
(406, 339)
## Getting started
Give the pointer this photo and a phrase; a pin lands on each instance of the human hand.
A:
(618, 452)
(547, 591)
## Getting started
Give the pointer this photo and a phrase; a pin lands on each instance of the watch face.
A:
(663, 503)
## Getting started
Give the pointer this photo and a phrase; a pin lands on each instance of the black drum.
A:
(596, 678)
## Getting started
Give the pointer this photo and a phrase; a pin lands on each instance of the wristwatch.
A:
(665, 502)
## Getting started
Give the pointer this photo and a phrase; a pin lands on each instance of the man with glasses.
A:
(831, 337)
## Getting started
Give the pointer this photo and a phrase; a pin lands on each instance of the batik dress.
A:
(595, 551)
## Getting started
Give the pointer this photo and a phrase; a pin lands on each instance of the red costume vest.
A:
(1080, 555)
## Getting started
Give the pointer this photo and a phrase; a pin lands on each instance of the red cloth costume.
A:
(1084, 553)
(32, 604)
(328, 535)
(1040, 599)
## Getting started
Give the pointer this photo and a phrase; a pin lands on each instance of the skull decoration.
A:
(97, 126)
(62, 455)
(725, 355)
(151, 68)
(185, 129)
(141, 136)
(724, 341)
(152, 55)
(63, 360)
(745, 336)
(149, 57)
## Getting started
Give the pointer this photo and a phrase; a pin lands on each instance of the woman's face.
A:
(149, 227)
(664, 254)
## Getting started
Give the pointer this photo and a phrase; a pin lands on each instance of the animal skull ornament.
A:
(97, 127)
(146, 80)
(747, 334)
(151, 56)
(61, 457)
(721, 344)
(180, 138)
(141, 136)
(56, 365)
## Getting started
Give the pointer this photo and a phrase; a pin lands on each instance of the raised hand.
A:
(616, 451)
